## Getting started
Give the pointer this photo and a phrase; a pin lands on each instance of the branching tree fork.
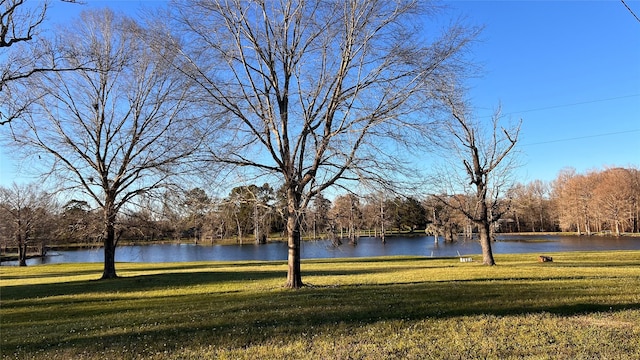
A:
(487, 160)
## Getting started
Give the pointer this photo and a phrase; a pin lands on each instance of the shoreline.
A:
(10, 254)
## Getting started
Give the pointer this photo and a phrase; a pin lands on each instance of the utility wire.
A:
(631, 11)
(583, 137)
(572, 104)
(559, 106)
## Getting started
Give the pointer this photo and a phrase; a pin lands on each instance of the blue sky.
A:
(569, 69)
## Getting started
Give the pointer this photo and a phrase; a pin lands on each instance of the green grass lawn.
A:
(583, 305)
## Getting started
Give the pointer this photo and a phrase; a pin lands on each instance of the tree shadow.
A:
(238, 318)
(234, 317)
(138, 283)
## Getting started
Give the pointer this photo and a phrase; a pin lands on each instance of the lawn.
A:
(581, 306)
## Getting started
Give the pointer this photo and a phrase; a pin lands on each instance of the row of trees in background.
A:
(33, 218)
(597, 201)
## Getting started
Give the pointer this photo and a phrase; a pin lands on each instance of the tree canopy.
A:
(315, 90)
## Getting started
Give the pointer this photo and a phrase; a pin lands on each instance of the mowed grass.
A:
(581, 306)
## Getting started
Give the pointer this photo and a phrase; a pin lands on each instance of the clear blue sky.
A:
(569, 69)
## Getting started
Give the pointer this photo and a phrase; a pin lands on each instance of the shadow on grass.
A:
(123, 267)
(239, 318)
(132, 283)
(185, 276)
(51, 274)
(237, 315)
(141, 283)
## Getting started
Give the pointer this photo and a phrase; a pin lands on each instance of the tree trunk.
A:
(294, 275)
(109, 254)
(22, 244)
(314, 229)
(239, 241)
(352, 235)
(43, 249)
(448, 233)
(109, 244)
(485, 243)
(22, 253)
(484, 227)
(256, 223)
(382, 229)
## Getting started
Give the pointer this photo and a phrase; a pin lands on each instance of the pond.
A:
(366, 247)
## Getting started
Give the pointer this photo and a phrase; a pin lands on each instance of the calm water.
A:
(422, 246)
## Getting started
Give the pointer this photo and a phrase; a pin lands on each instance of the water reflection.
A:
(367, 247)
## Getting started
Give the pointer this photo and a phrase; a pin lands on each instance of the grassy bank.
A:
(583, 305)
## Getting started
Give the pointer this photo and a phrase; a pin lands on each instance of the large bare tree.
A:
(479, 171)
(319, 92)
(119, 130)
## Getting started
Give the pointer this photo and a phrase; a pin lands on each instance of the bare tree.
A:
(118, 131)
(530, 206)
(25, 210)
(574, 200)
(77, 223)
(613, 193)
(373, 214)
(196, 204)
(481, 171)
(319, 215)
(347, 215)
(442, 220)
(316, 89)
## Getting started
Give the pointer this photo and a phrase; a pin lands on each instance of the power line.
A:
(572, 104)
(560, 106)
(631, 11)
(583, 137)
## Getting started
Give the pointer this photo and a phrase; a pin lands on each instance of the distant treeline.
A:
(597, 201)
